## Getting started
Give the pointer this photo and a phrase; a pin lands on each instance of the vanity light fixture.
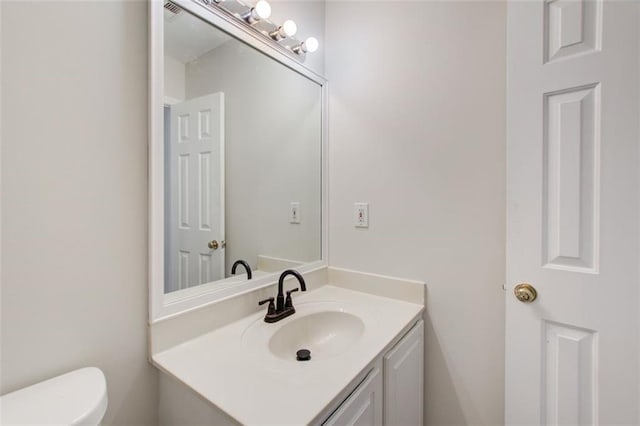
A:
(257, 17)
(262, 10)
(287, 29)
(309, 45)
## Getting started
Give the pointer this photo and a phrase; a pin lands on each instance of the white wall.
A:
(417, 129)
(174, 83)
(74, 198)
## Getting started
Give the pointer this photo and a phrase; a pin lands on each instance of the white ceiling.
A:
(187, 37)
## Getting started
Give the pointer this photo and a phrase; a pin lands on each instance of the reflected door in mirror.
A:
(195, 205)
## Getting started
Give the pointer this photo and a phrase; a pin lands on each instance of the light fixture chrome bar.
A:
(257, 18)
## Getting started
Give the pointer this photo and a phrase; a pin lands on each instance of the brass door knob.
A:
(525, 293)
(213, 245)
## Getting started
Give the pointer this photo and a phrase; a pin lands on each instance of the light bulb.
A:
(262, 10)
(289, 28)
(311, 44)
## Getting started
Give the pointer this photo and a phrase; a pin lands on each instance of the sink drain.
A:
(303, 355)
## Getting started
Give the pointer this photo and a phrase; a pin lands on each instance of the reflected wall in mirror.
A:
(243, 164)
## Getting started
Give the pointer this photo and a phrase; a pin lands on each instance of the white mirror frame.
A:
(163, 305)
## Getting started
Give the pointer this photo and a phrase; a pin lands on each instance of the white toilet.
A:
(75, 398)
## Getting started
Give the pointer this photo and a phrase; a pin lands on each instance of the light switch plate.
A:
(294, 212)
(361, 215)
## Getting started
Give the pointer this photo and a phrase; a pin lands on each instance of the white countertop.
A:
(228, 368)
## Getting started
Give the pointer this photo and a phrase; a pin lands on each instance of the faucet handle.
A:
(271, 309)
(288, 303)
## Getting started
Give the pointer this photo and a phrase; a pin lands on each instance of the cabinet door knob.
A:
(525, 293)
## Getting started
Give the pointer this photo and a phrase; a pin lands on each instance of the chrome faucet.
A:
(283, 307)
(244, 264)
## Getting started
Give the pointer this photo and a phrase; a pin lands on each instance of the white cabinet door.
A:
(364, 406)
(403, 380)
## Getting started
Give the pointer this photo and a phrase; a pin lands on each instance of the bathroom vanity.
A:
(238, 129)
(366, 363)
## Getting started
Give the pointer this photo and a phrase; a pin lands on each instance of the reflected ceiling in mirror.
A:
(243, 158)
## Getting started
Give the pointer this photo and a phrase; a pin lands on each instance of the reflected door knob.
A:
(525, 293)
(213, 245)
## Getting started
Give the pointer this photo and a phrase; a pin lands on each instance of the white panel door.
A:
(572, 355)
(196, 186)
(403, 380)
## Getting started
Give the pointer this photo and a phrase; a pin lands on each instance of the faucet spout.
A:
(244, 264)
(280, 297)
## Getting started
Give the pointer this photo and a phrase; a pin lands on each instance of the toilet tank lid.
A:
(75, 398)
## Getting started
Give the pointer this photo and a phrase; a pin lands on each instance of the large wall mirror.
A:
(238, 159)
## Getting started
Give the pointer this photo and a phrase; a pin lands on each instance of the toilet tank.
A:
(75, 398)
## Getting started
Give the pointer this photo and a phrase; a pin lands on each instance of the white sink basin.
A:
(325, 334)
(324, 328)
